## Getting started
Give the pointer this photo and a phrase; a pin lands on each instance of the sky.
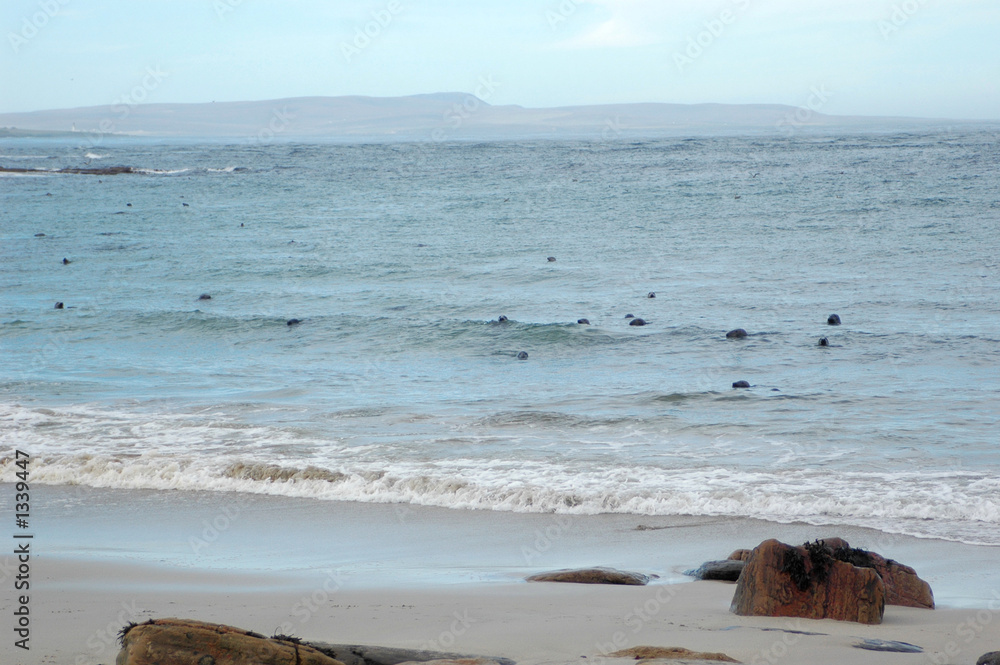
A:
(924, 58)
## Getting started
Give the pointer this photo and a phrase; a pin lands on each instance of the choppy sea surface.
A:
(401, 385)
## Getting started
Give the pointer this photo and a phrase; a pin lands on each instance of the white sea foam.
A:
(94, 155)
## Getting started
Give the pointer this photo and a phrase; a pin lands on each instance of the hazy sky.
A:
(933, 58)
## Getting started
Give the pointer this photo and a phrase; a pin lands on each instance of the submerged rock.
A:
(161, 641)
(785, 581)
(359, 654)
(670, 653)
(725, 571)
(888, 645)
(592, 576)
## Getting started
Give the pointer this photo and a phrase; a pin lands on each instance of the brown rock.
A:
(728, 570)
(740, 555)
(454, 661)
(184, 642)
(669, 653)
(902, 585)
(784, 581)
(592, 576)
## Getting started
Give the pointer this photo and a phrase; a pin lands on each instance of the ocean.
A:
(401, 385)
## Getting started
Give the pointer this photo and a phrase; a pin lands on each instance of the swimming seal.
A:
(65, 262)
(833, 320)
(204, 296)
(741, 384)
(551, 259)
(637, 322)
(823, 341)
(583, 322)
(59, 305)
(651, 295)
(522, 355)
(502, 319)
(630, 316)
(739, 333)
(294, 322)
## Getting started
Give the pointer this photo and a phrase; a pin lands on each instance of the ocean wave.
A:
(94, 155)
(957, 506)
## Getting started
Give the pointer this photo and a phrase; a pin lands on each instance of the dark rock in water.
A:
(823, 341)
(888, 645)
(991, 658)
(65, 262)
(741, 384)
(502, 319)
(739, 333)
(59, 305)
(834, 320)
(551, 259)
(651, 295)
(592, 576)
(294, 322)
(637, 322)
(664, 654)
(360, 654)
(204, 296)
(107, 170)
(725, 571)
(197, 642)
(522, 355)
(630, 316)
(583, 322)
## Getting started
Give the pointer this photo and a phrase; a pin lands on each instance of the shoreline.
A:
(450, 580)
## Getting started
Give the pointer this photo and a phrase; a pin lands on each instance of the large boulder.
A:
(185, 642)
(785, 581)
(740, 555)
(592, 576)
(902, 585)
(991, 658)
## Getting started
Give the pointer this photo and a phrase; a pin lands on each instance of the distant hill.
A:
(439, 116)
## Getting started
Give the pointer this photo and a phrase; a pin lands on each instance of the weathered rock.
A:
(888, 645)
(726, 571)
(902, 585)
(359, 654)
(991, 658)
(785, 581)
(185, 642)
(739, 333)
(740, 555)
(669, 653)
(592, 576)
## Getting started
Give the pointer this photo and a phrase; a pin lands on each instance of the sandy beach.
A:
(446, 580)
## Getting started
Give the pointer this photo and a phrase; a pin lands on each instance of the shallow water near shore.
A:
(400, 386)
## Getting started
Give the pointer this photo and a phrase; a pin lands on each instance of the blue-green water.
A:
(401, 385)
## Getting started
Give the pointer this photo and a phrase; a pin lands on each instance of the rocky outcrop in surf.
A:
(107, 170)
